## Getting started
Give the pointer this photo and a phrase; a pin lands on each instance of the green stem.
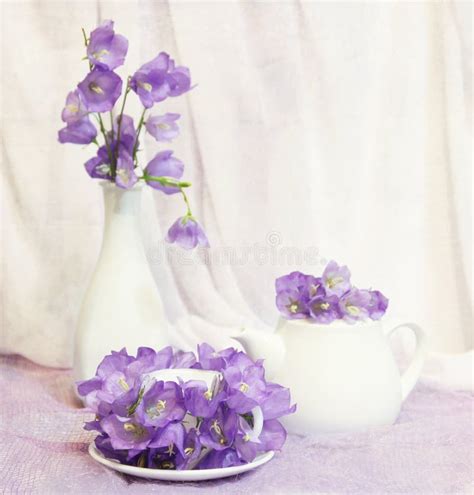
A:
(139, 128)
(112, 123)
(119, 128)
(189, 213)
(109, 151)
(166, 181)
(86, 41)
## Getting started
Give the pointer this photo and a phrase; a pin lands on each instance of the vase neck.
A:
(121, 218)
(121, 202)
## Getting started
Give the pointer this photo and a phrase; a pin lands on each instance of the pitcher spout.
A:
(262, 345)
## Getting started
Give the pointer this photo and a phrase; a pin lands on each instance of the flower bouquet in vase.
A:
(122, 307)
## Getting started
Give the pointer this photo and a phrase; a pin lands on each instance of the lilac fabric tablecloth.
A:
(44, 448)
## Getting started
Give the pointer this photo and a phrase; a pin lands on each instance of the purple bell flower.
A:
(150, 81)
(164, 165)
(220, 459)
(306, 286)
(125, 172)
(246, 382)
(183, 360)
(378, 305)
(104, 445)
(75, 109)
(191, 451)
(162, 458)
(187, 233)
(115, 361)
(219, 431)
(179, 80)
(127, 134)
(163, 127)
(98, 169)
(126, 433)
(273, 436)
(171, 436)
(161, 404)
(291, 305)
(209, 359)
(100, 90)
(78, 132)
(276, 402)
(244, 444)
(156, 80)
(324, 309)
(200, 401)
(354, 305)
(106, 49)
(336, 279)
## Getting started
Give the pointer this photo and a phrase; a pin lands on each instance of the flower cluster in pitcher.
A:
(148, 422)
(116, 159)
(327, 298)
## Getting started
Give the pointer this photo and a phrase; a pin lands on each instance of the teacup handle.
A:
(412, 373)
(257, 423)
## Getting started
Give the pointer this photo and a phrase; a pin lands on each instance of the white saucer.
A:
(172, 475)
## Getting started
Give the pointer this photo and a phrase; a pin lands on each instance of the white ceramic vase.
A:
(122, 306)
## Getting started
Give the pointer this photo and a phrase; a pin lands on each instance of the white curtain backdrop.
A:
(317, 131)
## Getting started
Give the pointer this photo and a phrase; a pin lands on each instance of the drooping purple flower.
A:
(292, 305)
(79, 132)
(378, 305)
(106, 49)
(126, 433)
(163, 127)
(98, 169)
(354, 305)
(219, 431)
(199, 400)
(187, 233)
(75, 109)
(150, 81)
(164, 165)
(324, 309)
(336, 279)
(276, 402)
(246, 381)
(125, 177)
(100, 90)
(161, 404)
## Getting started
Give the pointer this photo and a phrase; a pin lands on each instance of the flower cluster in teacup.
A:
(153, 423)
(327, 298)
(117, 156)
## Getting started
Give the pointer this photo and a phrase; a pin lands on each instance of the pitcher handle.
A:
(412, 373)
